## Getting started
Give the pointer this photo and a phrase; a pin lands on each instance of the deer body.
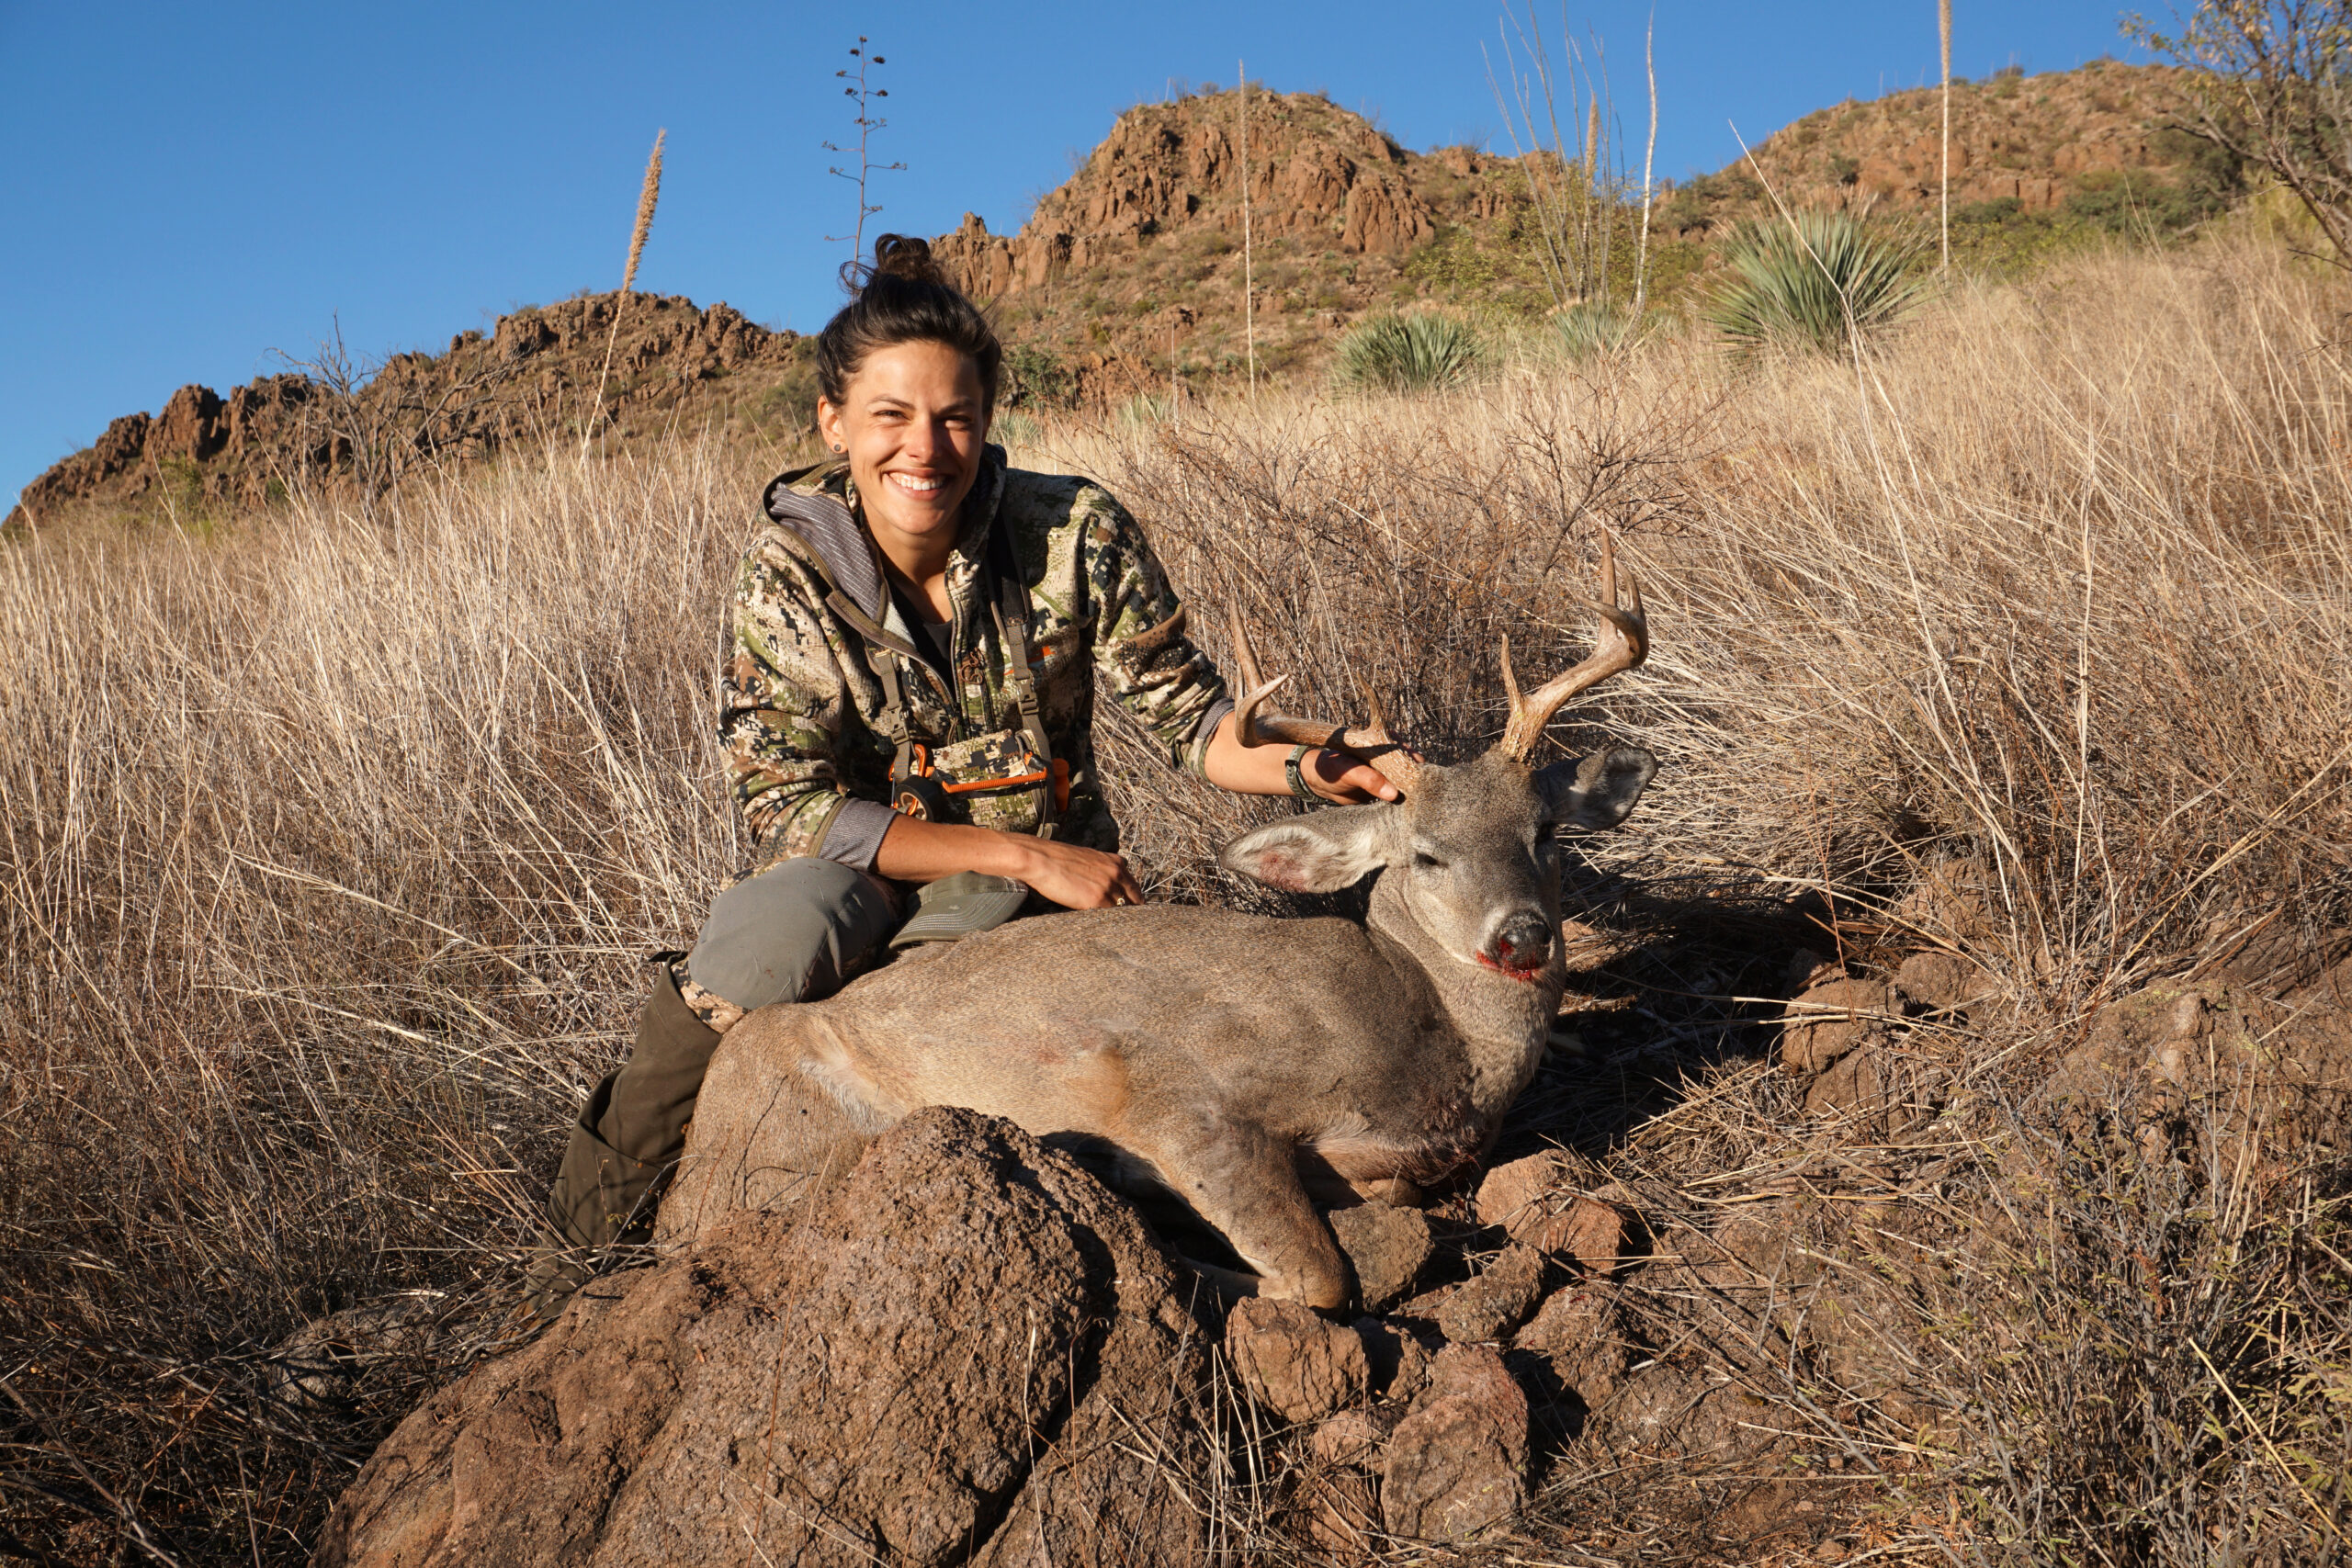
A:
(1244, 1064)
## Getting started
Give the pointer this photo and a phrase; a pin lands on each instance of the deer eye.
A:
(1423, 861)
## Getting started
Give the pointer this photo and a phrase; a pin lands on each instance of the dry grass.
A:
(329, 848)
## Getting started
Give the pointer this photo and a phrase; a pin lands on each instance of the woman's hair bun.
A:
(902, 256)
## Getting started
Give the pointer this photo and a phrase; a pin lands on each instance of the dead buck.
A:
(1240, 1062)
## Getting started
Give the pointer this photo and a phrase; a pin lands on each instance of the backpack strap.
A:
(1012, 606)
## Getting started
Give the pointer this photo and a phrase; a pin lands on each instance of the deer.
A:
(1248, 1064)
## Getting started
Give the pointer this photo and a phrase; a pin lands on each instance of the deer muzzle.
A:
(1519, 945)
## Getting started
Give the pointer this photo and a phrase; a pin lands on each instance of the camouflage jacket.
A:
(802, 707)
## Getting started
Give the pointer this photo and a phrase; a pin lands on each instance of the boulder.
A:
(1389, 1247)
(1497, 1299)
(1834, 1019)
(1942, 980)
(1513, 1195)
(1457, 1463)
(1578, 1331)
(1399, 1360)
(1665, 1409)
(1536, 1202)
(1342, 1511)
(1293, 1362)
(945, 1359)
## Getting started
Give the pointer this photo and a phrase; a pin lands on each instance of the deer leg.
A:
(1333, 1190)
(761, 1139)
(1244, 1180)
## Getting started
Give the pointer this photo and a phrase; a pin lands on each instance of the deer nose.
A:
(1522, 942)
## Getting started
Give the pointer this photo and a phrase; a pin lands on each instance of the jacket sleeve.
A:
(1168, 685)
(780, 701)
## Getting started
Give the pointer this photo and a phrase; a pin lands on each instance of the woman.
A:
(906, 705)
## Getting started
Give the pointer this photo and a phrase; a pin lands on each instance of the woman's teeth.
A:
(916, 485)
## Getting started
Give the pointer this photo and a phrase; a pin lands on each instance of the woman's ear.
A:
(828, 426)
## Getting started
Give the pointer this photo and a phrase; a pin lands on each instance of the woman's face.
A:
(910, 421)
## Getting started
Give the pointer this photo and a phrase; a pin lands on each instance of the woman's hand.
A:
(1075, 877)
(1334, 775)
(1344, 777)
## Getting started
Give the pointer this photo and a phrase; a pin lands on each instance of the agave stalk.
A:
(1649, 154)
(1943, 28)
(648, 196)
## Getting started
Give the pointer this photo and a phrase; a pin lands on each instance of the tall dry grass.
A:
(2060, 583)
(327, 850)
(329, 853)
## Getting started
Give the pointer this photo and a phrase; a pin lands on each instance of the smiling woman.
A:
(906, 704)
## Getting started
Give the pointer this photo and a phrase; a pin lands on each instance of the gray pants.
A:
(798, 932)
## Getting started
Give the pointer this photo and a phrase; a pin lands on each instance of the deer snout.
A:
(1519, 946)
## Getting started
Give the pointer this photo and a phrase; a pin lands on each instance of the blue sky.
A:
(191, 186)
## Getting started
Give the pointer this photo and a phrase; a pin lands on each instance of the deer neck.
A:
(1503, 1023)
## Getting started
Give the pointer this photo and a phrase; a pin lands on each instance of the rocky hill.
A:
(536, 375)
(2079, 139)
(1130, 276)
(1139, 259)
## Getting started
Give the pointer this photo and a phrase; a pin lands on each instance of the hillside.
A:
(1131, 273)
(2077, 140)
(1140, 255)
(537, 372)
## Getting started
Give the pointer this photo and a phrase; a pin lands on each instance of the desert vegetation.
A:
(330, 846)
(1820, 280)
(1418, 353)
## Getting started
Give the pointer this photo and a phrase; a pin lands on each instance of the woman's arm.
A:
(1263, 770)
(1173, 688)
(1077, 878)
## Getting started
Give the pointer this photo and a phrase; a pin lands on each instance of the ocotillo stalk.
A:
(1943, 27)
(647, 197)
(1249, 288)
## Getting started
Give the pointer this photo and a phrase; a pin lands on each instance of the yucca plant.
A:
(1419, 353)
(1814, 281)
(1593, 327)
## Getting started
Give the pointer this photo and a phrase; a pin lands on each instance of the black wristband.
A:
(1298, 789)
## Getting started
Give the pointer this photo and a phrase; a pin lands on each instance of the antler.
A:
(1252, 728)
(1624, 641)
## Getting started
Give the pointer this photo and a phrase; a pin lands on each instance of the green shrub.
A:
(2121, 202)
(1035, 379)
(1418, 353)
(1593, 327)
(1812, 284)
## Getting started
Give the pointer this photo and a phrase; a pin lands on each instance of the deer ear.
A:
(1318, 853)
(1596, 791)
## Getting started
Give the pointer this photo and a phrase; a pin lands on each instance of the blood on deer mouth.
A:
(1523, 971)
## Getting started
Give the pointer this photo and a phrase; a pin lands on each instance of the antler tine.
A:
(1252, 728)
(1374, 744)
(1255, 688)
(1623, 642)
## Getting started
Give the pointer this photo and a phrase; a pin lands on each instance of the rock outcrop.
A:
(535, 375)
(2032, 141)
(968, 1352)
(1316, 172)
